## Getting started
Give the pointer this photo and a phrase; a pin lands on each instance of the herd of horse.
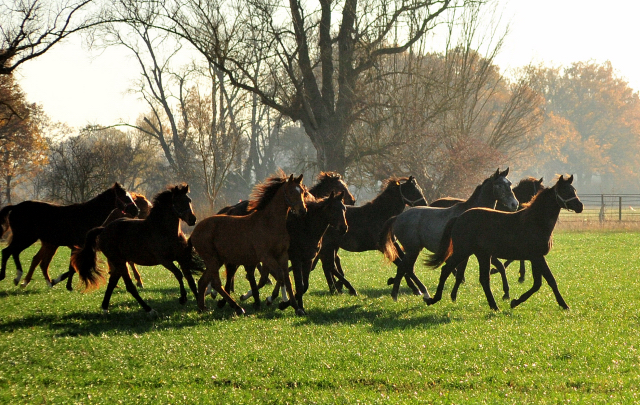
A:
(284, 222)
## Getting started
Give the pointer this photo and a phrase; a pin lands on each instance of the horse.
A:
(155, 240)
(422, 227)
(524, 191)
(327, 183)
(58, 225)
(305, 233)
(259, 237)
(365, 223)
(48, 250)
(521, 235)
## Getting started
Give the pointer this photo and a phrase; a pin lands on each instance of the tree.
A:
(311, 65)
(29, 28)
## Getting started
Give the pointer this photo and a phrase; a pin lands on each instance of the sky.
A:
(80, 88)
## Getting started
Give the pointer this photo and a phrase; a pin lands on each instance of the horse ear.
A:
(540, 181)
(299, 179)
(505, 173)
(332, 195)
(497, 173)
(570, 179)
(291, 177)
(410, 179)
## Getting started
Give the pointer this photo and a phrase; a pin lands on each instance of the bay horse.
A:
(155, 240)
(259, 237)
(305, 234)
(365, 223)
(524, 191)
(422, 227)
(48, 250)
(58, 225)
(327, 183)
(521, 235)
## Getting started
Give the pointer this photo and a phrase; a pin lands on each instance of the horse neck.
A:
(387, 203)
(544, 210)
(276, 211)
(101, 205)
(163, 216)
(315, 222)
(482, 197)
(524, 192)
(320, 190)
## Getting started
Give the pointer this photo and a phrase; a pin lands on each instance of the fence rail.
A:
(606, 208)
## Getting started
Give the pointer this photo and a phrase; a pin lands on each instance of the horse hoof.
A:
(23, 285)
(505, 296)
(301, 312)
(417, 293)
(2, 276)
(496, 309)
(152, 313)
(16, 281)
(429, 300)
(256, 305)
(222, 303)
(69, 288)
(394, 297)
(284, 305)
(513, 304)
(391, 281)
(493, 271)
(269, 300)
(353, 293)
(182, 300)
(565, 307)
(240, 311)
(454, 298)
(244, 297)
(105, 311)
(521, 280)
(202, 309)
(140, 285)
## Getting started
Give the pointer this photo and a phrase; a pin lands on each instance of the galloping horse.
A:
(422, 227)
(365, 223)
(328, 182)
(259, 237)
(521, 235)
(58, 225)
(48, 250)
(155, 240)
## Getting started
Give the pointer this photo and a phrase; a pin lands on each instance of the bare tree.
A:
(313, 63)
(29, 28)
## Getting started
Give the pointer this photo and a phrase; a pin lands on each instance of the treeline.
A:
(239, 94)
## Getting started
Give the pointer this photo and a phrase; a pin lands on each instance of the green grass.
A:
(57, 347)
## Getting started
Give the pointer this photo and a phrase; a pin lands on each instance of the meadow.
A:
(57, 346)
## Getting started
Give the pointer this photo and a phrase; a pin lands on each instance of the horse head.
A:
(502, 191)
(566, 195)
(332, 181)
(294, 195)
(124, 201)
(411, 193)
(335, 211)
(181, 203)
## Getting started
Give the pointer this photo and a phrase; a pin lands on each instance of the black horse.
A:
(58, 225)
(365, 224)
(155, 240)
(522, 235)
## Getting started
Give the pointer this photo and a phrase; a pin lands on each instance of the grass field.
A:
(57, 347)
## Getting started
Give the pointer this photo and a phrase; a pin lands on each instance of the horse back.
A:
(61, 225)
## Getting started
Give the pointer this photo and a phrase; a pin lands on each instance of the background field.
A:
(57, 347)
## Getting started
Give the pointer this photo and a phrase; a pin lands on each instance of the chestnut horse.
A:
(259, 237)
(48, 250)
(521, 235)
(58, 225)
(155, 240)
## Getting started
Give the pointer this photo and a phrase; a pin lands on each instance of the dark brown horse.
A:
(58, 225)
(327, 183)
(48, 250)
(156, 240)
(365, 225)
(259, 237)
(521, 235)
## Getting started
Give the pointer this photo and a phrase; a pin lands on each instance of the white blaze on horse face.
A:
(298, 190)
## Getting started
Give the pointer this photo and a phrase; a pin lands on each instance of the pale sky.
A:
(79, 88)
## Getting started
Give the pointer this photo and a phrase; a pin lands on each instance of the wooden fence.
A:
(606, 208)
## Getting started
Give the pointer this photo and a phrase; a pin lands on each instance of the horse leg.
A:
(537, 282)
(134, 291)
(178, 275)
(327, 256)
(284, 269)
(337, 271)
(445, 271)
(212, 275)
(45, 262)
(503, 274)
(404, 266)
(523, 270)
(136, 275)
(548, 276)
(484, 261)
(230, 271)
(17, 246)
(298, 280)
(255, 291)
(460, 270)
(111, 285)
(37, 259)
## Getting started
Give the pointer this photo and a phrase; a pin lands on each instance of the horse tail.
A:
(387, 240)
(191, 260)
(4, 218)
(84, 261)
(445, 248)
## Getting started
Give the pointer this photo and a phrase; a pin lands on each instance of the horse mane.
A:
(165, 197)
(264, 192)
(323, 178)
(525, 180)
(391, 181)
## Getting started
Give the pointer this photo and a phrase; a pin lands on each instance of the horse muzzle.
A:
(191, 220)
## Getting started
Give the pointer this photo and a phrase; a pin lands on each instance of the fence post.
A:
(601, 214)
(620, 209)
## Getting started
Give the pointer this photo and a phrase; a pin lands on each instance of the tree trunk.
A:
(8, 190)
